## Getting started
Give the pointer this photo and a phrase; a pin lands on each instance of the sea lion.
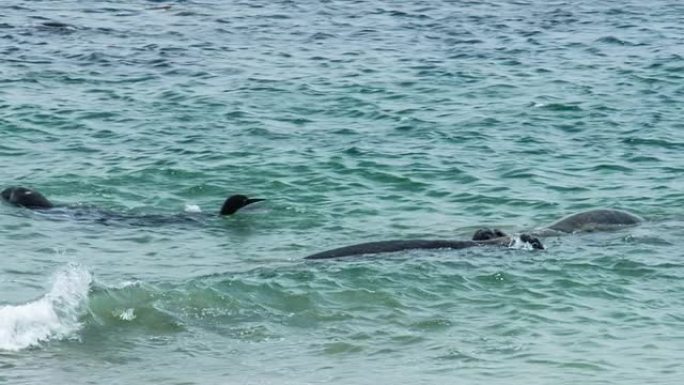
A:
(32, 199)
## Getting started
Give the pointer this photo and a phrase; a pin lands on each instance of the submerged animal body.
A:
(32, 199)
(419, 244)
(389, 247)
(595, 220)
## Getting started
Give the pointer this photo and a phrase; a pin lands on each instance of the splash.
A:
(53, 316)
(191, 208)
(519, 244)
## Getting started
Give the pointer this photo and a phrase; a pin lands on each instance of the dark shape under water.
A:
(32, 199)
(593, 220)
(56, 24)
(422, 244)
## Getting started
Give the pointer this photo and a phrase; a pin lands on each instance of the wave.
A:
(54, 316)
(77, 307)
(131, 306)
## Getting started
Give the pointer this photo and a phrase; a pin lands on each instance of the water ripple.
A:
(358, 121)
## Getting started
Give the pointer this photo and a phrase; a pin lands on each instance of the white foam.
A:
(519, 244)
(124, 284)
(190, 208)
(126, 315)
(53, 316)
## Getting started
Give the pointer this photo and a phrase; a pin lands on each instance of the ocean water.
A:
(357, 121)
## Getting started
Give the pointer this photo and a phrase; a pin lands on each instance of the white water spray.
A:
(53, 316)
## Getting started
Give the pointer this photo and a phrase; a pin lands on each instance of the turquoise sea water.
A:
(358, 121)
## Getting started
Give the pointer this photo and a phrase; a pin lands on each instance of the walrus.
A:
(593, 220)
(32, 199)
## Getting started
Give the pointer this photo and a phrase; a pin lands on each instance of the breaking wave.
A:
(54, 316)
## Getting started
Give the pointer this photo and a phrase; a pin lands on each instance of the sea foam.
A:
(192, 208)
(519, 244)
(53, 316)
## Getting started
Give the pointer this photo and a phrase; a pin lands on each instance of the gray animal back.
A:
(594, 220)
(391, 246)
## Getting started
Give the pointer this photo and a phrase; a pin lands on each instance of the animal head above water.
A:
(25, 197)
(532, 241)
(497, 236)
(486, 234)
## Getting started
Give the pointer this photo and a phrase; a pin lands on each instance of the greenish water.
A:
(358, 121)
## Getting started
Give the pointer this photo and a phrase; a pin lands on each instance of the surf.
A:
(54, 316)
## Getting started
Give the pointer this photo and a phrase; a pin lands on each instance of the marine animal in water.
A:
(585, 221)
(32, 199)
(593, 220)
(425, 244)
(25, 197)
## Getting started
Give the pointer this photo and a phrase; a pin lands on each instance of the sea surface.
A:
(357, 121)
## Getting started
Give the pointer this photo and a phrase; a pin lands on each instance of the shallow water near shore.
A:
(357, 121)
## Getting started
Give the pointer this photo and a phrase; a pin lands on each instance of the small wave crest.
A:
(131, 305)
(53, 316)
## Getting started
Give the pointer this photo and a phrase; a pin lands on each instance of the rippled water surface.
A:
(358, 121)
